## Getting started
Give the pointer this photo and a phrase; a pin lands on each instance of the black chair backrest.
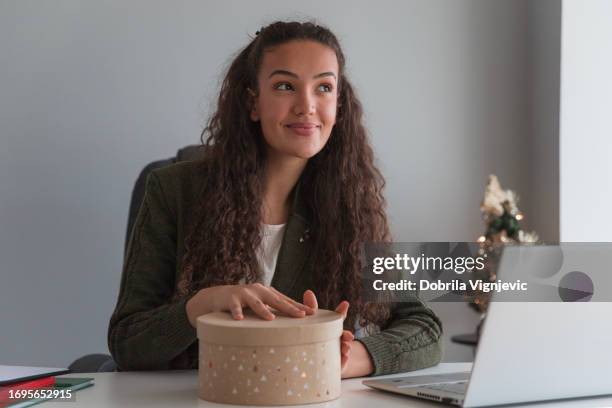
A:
(189, 153)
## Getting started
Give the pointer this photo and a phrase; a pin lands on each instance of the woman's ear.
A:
(253, 105)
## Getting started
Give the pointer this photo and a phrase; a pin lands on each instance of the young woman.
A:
(275, 212)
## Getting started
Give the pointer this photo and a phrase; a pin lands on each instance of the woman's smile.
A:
(303, 128)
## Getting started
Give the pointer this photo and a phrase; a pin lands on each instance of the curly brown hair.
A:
(341, 187)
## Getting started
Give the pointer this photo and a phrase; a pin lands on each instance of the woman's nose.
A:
(304, 104)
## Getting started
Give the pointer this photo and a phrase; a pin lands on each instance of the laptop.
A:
(533, 351)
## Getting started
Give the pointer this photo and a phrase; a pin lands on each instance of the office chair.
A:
(92, 363)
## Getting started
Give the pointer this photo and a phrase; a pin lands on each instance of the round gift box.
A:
(284, 361)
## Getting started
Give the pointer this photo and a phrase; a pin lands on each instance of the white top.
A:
(267, 253)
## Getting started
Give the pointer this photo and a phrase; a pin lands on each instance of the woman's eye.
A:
(325, 88)
(283, 87)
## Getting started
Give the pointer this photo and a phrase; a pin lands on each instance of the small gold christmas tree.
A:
(502, 219)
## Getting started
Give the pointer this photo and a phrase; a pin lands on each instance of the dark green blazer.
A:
(149, 332)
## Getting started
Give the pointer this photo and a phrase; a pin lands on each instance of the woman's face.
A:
(297, 98)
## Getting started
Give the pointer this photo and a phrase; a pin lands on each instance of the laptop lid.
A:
(534, 351)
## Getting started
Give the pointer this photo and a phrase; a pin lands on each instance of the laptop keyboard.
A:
(411, 381)
(456, 388)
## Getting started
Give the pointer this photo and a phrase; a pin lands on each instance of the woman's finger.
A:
(268, 297)
(310, 300)
(280, 304)
(257, 305)
(299, 305)
(342, 308)
(344, 358)
(347, 336)
(236, 309)
(271, 298)
(345, 348)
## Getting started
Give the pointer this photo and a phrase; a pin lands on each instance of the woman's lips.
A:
(303, 129)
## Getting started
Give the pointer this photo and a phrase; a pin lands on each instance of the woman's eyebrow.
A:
(291, 74)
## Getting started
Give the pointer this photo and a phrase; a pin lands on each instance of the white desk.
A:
(179, 389)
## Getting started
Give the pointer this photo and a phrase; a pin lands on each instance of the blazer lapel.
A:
(294, 252)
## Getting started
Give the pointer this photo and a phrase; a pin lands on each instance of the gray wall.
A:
(93, 91)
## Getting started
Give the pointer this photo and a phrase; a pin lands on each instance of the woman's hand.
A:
(354, 357)
(346, 340)
(233, 298)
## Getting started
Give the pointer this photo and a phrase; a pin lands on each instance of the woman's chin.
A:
(303, 153)
(307, 154)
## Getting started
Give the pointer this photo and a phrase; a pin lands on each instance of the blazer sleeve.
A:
(411, 341)
(147, 331)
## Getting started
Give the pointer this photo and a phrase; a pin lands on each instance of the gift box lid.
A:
(221, 328)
